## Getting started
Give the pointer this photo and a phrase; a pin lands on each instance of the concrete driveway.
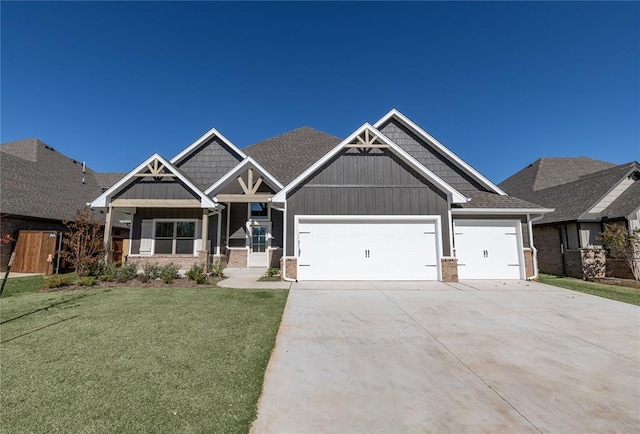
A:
(477, 356)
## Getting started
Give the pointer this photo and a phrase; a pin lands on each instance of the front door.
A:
(259, 243)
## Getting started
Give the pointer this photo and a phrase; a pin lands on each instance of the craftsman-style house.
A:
(388, 202)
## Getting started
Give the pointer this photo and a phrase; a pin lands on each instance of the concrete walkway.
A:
(482, 356)
(13, 275)
(248, 278)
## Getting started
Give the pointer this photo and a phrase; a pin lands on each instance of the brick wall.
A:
(183, 262)
(449, 269)
(528, 263)
(618, 268)
(237, 258)
(573, 264)
(546, 239)
(292, 267)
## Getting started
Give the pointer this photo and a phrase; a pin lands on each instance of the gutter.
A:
(534, 251)
(283, 272)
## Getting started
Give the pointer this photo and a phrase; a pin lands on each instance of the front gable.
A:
(433, 154)
(247, 182)
(367, 158)
(154, 183)
(208, 159)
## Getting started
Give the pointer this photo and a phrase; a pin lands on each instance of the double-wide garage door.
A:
(368, 249)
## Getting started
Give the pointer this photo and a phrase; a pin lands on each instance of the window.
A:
(259, 211)
(175, 238)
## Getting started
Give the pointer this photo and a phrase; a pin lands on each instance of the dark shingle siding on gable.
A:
(288, 155)
(429, 157)
(209, 163)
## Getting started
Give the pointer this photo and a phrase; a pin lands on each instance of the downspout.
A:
(283, 272)
(534, 251)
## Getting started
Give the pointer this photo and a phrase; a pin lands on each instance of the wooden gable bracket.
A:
(250, 188)
(156, 169)
(366, 140)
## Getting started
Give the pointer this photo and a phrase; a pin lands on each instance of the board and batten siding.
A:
(430, 157)
(145, 188)
(158, 213)
(209, 163)
(366, 183)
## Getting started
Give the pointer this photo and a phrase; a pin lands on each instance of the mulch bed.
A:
(183, 282)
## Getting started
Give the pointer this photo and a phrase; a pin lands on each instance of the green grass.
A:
(21, 285)
(135, 360)
(619, 293)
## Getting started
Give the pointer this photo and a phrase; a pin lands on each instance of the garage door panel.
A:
(487, 250)
(372, 250)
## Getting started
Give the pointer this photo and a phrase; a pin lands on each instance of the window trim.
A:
(173, 245)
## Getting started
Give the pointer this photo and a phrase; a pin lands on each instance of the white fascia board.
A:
(239, 168)
(446, 151)
(104, 199)
(504, 211)
(456, 195)
(206, 136)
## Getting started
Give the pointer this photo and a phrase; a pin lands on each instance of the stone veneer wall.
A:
(449, 269)
(585, 263)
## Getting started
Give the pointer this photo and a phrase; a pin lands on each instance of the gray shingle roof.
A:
(550, 172)
(288, 155)
(38, 181)
(485, 199)
(574, 198)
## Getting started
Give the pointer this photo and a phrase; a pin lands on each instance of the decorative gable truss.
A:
(155, 169)
(247, 182)
(368, 138)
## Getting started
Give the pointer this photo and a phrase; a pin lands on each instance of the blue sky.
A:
(499, 83)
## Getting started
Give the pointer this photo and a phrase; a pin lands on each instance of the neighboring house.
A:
(585, 193)
(389, 202)
(41, 188)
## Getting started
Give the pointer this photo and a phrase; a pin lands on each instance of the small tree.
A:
(83, 241)
(623, 243)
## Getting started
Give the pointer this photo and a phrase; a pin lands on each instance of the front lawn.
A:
(135, 359)
(21, 285)
(619, 293)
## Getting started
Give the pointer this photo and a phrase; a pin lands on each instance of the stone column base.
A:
(291, 268)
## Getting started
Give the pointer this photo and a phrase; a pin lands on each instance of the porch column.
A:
(108, 248)
(204, 252)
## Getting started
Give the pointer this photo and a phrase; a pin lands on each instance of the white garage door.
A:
(367, 249)
(488, 249)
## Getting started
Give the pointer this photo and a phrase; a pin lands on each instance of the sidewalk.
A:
(14, 275)
(248, 278)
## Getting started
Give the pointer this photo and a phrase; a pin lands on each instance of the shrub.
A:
(152, 271)
(57, 281)
(217, 269)
(196, 273)
(143, 278)
(127, 272)
(86, 281)
(106, 278)
(169, 272)
(272, 272)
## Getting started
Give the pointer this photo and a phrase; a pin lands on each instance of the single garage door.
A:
(367, 249)
(488, 249)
